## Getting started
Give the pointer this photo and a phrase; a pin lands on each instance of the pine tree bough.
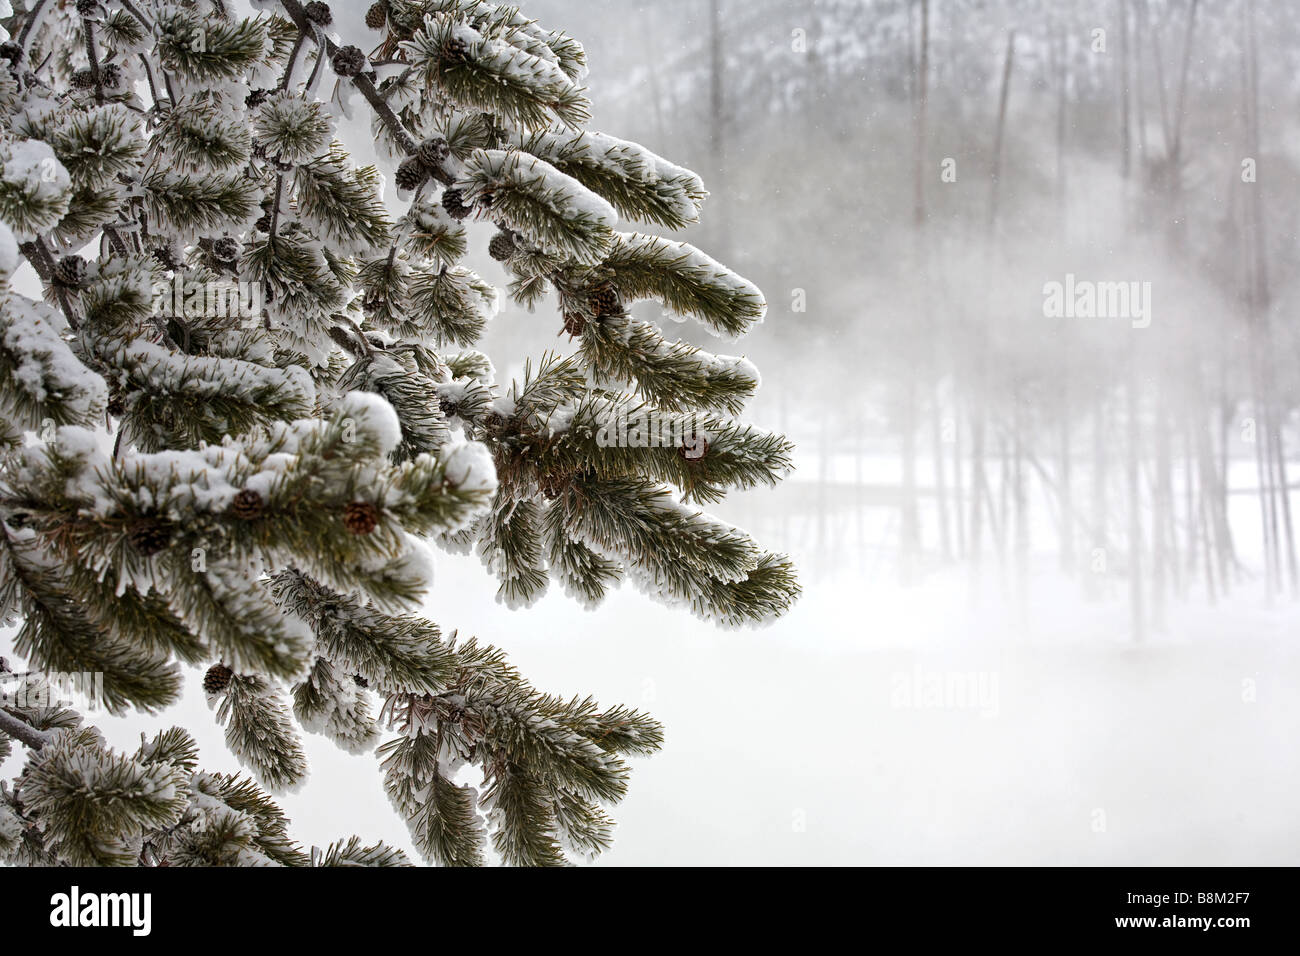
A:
(254, 389)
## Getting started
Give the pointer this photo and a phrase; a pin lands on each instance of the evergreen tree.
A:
(250, 389)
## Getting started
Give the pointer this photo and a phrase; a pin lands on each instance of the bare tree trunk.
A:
(1000, 131)
(717, 131)
(922, 104)
(1125, 127)
(958, 484)
(1262, 299)
(1020, 499)
(1100, 540)
(980, 492)
(1065, 489)
(656, 95)
(1161, 515)
(1162, 94)
(1136, 604)
(1257, 305)
(1180, 112)
(920, 221)
(910, 520)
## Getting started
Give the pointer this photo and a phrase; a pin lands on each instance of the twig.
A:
(88, 32)
(292, 62)
(21, 730)
(38, 254)
(129, 8)
(296, 13)
(32, 19)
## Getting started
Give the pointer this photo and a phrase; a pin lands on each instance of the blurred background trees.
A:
(903, 177)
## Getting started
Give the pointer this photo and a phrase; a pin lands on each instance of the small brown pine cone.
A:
(150, 535)
(552, 486)
(502, 246)
(411, 173)
(349, 61)
(225, 249)
(455, 51)
(574, 323)
(217, 678)
(360, 517)
(318, 13)
(453, 200)
(377, 15)
(432, 152)
(694, 448)
(604, 301)
(70, 271)
(247, 505)
(167, 258)
(84, 79)
(360, 681)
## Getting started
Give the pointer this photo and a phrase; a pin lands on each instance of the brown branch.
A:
(299, 17)
(21, 730)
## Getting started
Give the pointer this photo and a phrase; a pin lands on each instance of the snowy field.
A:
(879, 724)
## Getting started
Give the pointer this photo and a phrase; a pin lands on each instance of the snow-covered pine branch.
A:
(251, 387)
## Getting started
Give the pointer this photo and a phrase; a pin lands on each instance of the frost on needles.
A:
(250, 395)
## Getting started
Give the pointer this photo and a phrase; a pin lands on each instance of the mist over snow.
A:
(1051, 602)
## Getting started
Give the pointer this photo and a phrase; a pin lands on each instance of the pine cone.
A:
(360, 517)
(87, 8)
(574, 323)
(263, 223)
(70, 271)
(694, 450)
(84, 79)
(12, 52)
(604, 301)
(247, 505)
(110, 75)
(256, 98)
(150, 535)
(225, 249)
(502, 246)
(448, 407)
(349, 61)
(377, 16)
(167, 258)
(360, 681)
(552, 486)
(453, 200)
(217, 678)
(455, 51)
(318, 13)
(411, 174)
(432, 152)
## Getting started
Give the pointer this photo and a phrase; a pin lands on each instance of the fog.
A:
(1044, 522)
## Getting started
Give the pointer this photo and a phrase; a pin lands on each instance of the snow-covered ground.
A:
(881, 724)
